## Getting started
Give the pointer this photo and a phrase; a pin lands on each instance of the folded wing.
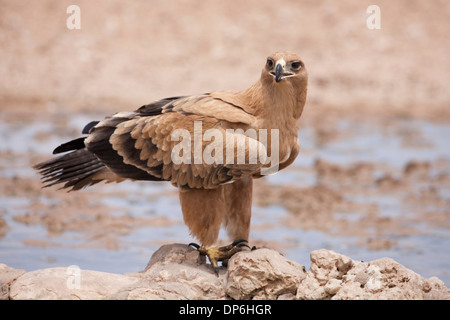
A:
(198, 132)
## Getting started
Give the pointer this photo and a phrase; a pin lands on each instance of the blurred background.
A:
(372, 179)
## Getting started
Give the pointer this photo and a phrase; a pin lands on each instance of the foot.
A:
(217, 254)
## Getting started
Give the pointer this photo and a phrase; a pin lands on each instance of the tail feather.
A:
(69, 162)
(74, 169)
(68, 170)
(69, 175)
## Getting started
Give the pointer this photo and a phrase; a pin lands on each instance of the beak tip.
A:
(278, 72)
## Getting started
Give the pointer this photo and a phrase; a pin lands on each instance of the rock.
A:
(332, 286)
(328, 264)
(177, 271)
(7, 276)
(67, 284)
(262, 274)
(335, 276)
(310, 289)
(175, 254)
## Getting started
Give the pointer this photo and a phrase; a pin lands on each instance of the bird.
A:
(210, 146)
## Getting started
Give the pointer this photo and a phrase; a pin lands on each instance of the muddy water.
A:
(367, 189)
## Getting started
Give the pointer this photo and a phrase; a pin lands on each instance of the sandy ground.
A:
(130, 53)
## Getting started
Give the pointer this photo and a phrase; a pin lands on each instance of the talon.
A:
(217, 254)
(239, 244)
(236, 242)
(192, 244)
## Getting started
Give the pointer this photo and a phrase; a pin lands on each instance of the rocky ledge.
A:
(177, 271)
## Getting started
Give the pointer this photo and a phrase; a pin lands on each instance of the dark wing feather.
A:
(71, 145)
(157, 107)
(70, 168)
(99, 144)
(87, 128)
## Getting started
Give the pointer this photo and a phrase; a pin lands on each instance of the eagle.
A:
(210, 146)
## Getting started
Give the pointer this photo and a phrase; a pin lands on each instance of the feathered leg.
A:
(238, 199)
(205, 210)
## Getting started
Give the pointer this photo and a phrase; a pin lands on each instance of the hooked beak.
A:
(278, 72)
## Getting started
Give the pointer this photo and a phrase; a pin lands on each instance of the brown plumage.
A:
(140, 145)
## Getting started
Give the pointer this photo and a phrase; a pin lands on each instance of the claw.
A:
(196, 246)
(239, 243)
(217, 254)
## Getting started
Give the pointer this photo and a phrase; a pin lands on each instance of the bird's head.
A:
(284, 67)
(285, 80)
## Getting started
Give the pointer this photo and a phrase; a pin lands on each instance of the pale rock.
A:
(351, 291)
(7, 276)
(286, 296)
(178, 271)
(310, 289)
(326, 264)
(335, 276)
(374, 280)
(62, 284)
(433, 289)
(332, 286)
(262, 274)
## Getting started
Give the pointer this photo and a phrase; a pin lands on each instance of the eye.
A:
(270, 63)
(296, 65)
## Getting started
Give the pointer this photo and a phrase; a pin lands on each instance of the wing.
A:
(215, 105)
(190, 141)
